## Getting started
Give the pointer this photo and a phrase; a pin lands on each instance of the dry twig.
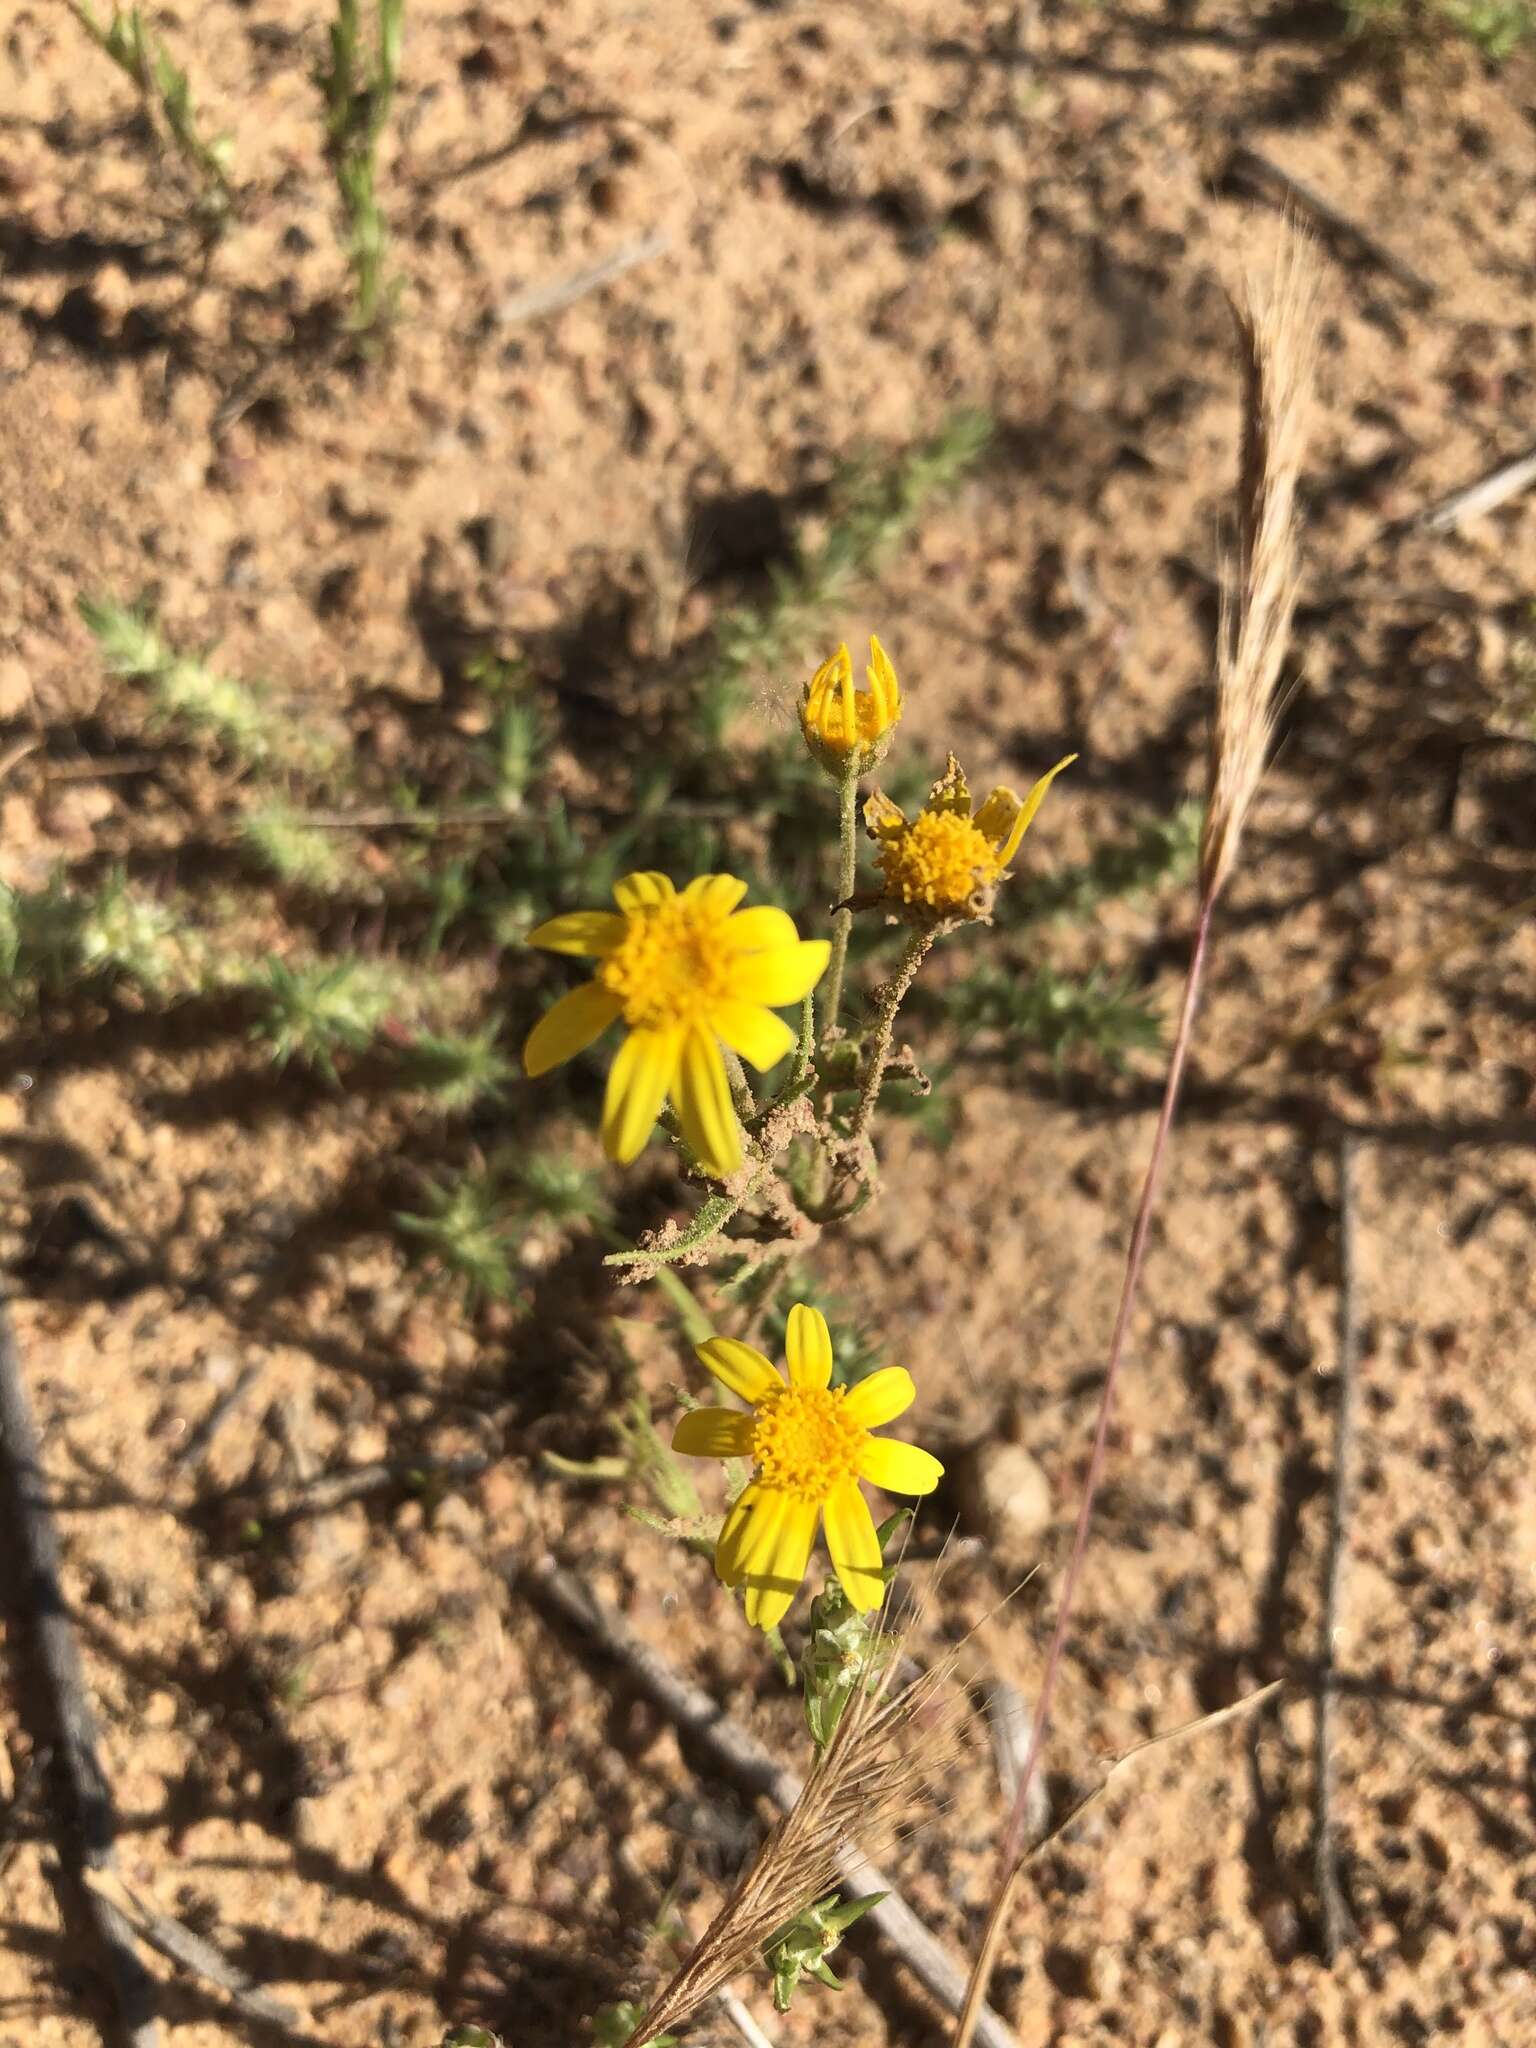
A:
(323, 1493)
(1255, 171)
(537, 299)
(1507, 481)
(1011, 1725)
(743, 1758)
(191, 1951)
(1338, 1923)
(200, 1441)
(41, 1598)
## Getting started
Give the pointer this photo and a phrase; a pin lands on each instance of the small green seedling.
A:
(359, 92)
(167, 95)
(322, 1007)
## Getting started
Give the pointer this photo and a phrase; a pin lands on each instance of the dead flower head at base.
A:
(810, 1444)
(947, 862)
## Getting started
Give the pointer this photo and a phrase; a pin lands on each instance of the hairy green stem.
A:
(842, 919)
(892, 996)
(803, 1051)
(741, 1088)
(712, 1217)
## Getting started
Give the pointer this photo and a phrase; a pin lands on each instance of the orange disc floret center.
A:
(805, 1441)
(670, 968)
(940, 859)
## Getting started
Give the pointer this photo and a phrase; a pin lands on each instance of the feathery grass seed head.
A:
(1277, 335)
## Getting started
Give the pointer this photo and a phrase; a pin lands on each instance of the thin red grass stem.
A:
(1013, 1846)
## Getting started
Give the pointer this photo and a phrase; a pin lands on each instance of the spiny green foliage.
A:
(359, 92)
(1158, 852)
(548, 862)
(1497, 27)
(323, 1007)
(466, 1232)
(57, 936)
(877, 504)
(184, 689)
(1060, 1015)
(127, 638)
(549, 1184)
(648, 1457)
(461, 1069)
(167, 92)
(518, 738)
(279, 837)
(472, 1228)
(519, 735)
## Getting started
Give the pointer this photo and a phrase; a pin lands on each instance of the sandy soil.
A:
(348, 1750)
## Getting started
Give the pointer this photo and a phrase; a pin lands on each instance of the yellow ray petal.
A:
(761, 1038)
(882, 1397)
(883, 819)
(716, 894)
(634, 892)
(733, 1532)
(899, 1468)
(1028, 808)
(762, 1533)
(739, 1367)
(762, 927)
(588, 933)
(883, 685)
(713, 1433)
(808, 1347)
(703, 1096)
(854, 1546)
(569, 1028)
(643, 1070)
(782, 976)
(772, 1587)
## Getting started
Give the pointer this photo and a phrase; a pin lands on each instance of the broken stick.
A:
(1489, 492)
(190, 1951)
(1250, 168)
(744, 1758)
(41, 1599)
(1338, 1922)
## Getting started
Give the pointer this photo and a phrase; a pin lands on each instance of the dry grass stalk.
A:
(861, 1791)
(1276, 339)
(1276, 336)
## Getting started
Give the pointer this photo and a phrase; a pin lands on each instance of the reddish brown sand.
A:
(350, 1754)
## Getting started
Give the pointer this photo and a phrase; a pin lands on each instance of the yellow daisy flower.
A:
(945, 861)
(685, 972)
(811, 1445)
(839, 721)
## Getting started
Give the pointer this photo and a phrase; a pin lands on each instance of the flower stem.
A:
(803, 1051)
(741, 1088)
(710, 1219)
(842, 920)
(1014, 1846)
(892, 995)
